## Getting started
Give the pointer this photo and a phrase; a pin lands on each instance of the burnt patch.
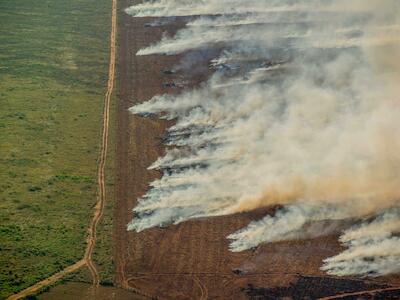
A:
(312, 287)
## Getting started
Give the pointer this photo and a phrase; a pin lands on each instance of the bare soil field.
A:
(191, 260)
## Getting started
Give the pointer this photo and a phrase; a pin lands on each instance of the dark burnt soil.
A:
(191, 260)
(312, 287)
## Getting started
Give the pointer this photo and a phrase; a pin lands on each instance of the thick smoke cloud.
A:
(302, 111)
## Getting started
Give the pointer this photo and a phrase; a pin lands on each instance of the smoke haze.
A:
(302, 111)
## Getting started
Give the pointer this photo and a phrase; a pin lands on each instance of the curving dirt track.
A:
(191, 260)
(101, 197)
(100, 201)
(50, 280)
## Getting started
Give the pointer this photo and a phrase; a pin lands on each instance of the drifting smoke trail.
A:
(303, 111)
(373, 248)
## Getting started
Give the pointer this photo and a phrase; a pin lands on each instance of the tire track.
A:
(101, 197)
(100, 201)
(203, 289)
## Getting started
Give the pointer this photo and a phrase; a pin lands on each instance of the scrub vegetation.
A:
(53, 73)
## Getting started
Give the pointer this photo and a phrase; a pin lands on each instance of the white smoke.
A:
(373, 248)
(287, 224)
(302, 111)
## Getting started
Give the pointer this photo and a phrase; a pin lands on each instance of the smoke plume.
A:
(302, 111)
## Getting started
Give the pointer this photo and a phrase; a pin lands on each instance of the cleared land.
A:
(191, 260)
(53, 74)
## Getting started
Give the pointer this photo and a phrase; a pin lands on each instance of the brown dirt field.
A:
(191, 260)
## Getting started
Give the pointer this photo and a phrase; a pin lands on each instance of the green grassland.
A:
(53, 73)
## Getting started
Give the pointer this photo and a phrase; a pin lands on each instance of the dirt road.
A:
(99, 207)
(50, 280)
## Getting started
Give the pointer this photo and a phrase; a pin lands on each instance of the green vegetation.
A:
(103, 252)
(53, 73)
